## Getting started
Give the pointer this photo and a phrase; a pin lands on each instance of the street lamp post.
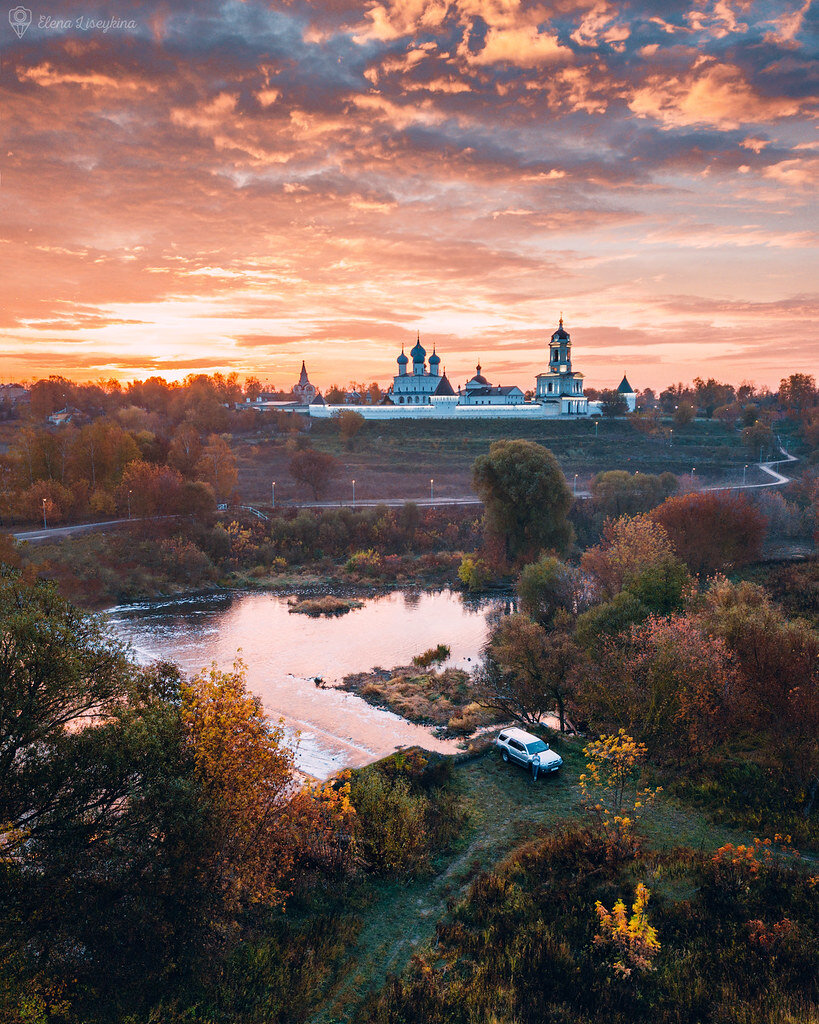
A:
(693, 471)
(671, 442)
(596, 425)
(272, 493)
(353, 493)
(45, 524)
(575, 484)
(129, 504)
(431, 489)
(744, 471)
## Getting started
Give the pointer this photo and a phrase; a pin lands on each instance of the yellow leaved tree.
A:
(246, 771)
(609, 787)
(632, 940)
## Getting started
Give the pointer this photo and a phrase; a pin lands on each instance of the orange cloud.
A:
(710, 94)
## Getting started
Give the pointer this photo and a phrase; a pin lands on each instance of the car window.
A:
(502, 737)
(516, 745)
(537, 747)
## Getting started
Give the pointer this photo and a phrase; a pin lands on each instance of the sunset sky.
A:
(237, 186)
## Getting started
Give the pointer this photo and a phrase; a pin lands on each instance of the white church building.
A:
(424, 392)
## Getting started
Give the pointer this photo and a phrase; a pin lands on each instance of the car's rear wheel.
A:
(505, 756)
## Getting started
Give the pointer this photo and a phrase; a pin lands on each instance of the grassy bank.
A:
(397, 459)
(441, 698)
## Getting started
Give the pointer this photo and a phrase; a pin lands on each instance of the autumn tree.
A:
(778, 664)
(526, 673)
(185, 449)
(216, 466)
(202, 404)
(253, 388)
(612, 403)
(604, 622)
(759, 439)
(314, 470)
(712, 531)
(246, 772)
(684, 414)
(101, 452)
(617, 492)
(149, 490)
(47, 396)
(350, 423)
(710, 394)
(548, 586)
(228, 387)
(798, 393)
(631, 940)
(610, 786)
(526, 499)
(668, 682)
(45, 496)
(629, 545)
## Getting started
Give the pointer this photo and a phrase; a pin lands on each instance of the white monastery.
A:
(425, 392)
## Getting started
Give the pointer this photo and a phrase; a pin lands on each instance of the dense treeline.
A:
(374, 545)
(148, 448)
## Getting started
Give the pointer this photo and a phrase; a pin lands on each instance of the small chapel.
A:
(304, 391)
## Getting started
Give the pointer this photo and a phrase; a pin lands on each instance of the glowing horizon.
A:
(240, 186)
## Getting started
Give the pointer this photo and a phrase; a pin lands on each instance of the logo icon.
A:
(20, 19)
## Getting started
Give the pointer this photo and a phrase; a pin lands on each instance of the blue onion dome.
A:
(434, 359)
(402, 359)
(418, 352)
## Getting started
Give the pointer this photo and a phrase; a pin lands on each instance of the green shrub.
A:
(473, 573)
(390, 822)
(367, 563)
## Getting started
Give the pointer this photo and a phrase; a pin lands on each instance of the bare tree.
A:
(314, 470)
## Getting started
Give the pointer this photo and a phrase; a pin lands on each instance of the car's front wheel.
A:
(505, 756)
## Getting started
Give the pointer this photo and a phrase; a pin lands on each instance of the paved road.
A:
(777, 478)
(58, 532)
(389, 502)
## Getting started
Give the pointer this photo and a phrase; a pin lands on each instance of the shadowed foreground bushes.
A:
(738, 934)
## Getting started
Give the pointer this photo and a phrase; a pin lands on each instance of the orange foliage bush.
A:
(711, 531)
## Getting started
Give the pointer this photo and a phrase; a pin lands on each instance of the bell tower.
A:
(560, 350)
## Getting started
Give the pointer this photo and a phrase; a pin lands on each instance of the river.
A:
(284, 653)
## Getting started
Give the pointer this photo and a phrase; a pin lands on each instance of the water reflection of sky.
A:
(285, 652)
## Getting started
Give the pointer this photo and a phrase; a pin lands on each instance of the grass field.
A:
(397, 459)
(504, 808)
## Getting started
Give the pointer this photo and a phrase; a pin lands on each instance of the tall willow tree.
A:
(526, 499)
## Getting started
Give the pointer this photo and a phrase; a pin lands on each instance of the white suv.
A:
(524, 748)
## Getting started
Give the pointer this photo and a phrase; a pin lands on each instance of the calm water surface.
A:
(284, 653)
